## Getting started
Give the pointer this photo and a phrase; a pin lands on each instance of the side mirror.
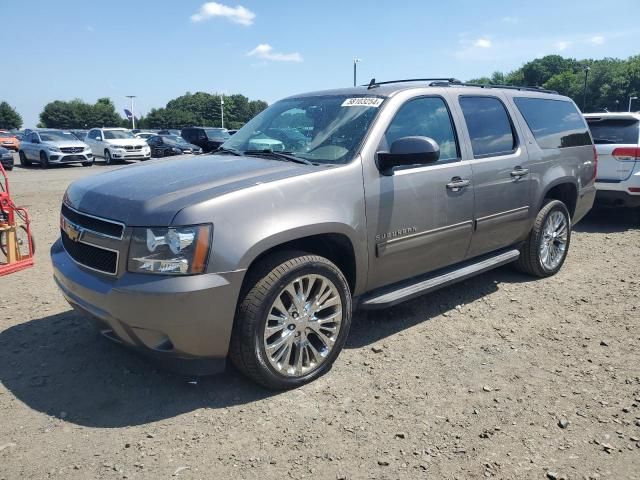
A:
(408, 151)
(98, 139)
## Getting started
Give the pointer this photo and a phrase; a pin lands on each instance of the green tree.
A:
(78, 114)
(9, 118)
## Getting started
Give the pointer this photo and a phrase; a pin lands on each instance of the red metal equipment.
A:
(16, 243)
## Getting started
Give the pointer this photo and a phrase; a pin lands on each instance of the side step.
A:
(407, 290)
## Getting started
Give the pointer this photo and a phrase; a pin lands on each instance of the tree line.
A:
(609, 84)
(609, 81)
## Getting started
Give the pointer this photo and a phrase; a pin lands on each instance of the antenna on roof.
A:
(372, 84)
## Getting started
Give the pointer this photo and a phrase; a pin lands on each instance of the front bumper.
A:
(185, 322)
(11, 146)
(122, 154)
(61, 157)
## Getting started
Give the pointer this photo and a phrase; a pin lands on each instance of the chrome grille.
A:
(71, 149)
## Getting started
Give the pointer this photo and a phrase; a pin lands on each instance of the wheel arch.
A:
(563, 189)
(333, 244)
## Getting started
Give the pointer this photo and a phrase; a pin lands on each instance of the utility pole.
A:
(356, 61)
(584, 93)
(222, 110)
(133, 115)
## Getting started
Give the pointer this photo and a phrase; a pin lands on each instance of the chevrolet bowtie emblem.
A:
(74, 232)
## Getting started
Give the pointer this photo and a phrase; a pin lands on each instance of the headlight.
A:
(116, 147)
(176, 150)
(170, 251)
(53, 148)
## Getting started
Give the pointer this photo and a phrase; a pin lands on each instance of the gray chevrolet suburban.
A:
(325, 202)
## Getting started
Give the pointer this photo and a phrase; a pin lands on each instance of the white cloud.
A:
(562, 45)
(482, 43)
(596, 40)
(265, 52)
(238, 14)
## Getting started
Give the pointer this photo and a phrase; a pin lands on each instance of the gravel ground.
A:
(500, 376)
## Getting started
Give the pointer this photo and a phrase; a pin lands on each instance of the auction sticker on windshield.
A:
(363, 102)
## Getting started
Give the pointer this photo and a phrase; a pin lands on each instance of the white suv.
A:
(617, 140)
(117, 144)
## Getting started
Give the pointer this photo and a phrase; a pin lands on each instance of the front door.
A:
(420, 218)
(501, 175)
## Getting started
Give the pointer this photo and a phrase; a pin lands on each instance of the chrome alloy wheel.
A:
(303, 325)
(553, 245)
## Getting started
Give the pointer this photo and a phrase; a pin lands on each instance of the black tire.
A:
(44, 160)
(89, 163)
(107, 157)
(8, 168)
(23, 159)
(530, 260)
(267, 280)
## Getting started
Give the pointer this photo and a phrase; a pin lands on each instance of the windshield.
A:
(6, 135)
(174, 140)
(324, 129)
(614, 131)
(217, 133)
(56, 136)
(117, 134)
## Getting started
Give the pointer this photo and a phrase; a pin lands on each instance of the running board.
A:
(401, 292)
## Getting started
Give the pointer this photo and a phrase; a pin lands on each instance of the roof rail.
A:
(510, 87)
(447, 82)
(374, 84)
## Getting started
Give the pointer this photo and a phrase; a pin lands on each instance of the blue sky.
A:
(65, 49)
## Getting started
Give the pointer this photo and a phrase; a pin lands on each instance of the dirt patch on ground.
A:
(500, 376)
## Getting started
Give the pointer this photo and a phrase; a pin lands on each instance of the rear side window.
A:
(554, 123)
(614, 130)
(489, 126)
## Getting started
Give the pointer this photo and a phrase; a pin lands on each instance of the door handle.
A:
(519, 172)
(457, 183)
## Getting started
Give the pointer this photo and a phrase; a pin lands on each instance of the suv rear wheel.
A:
(545, 250)
(107, 157)
(293, 322)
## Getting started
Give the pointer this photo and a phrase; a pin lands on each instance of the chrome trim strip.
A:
(100, 234)
(506, 212)
(419, 239)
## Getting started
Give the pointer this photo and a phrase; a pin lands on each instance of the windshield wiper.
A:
(288, 156)
(232, 151)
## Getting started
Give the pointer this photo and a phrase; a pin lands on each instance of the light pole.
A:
(631, 99)
(584, 93)
(356, 61)
(222, 110)
(133, 116)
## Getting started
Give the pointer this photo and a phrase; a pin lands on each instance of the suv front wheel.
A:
(293, 321)
(546, 248)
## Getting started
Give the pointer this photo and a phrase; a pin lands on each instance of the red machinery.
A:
(16, 243)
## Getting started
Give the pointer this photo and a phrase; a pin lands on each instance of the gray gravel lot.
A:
(500, 376)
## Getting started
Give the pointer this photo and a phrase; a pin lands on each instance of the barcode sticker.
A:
(363, 102)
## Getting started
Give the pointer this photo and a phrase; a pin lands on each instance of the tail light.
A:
(626, 153)
(595, 163)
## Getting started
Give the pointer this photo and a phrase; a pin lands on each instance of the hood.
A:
(67, 144)
(126, 141)
(151, 194)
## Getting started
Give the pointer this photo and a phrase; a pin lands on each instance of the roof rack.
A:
(374, 84)
(447, 82)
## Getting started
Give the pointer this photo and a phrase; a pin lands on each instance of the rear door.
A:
(617, 141)
(501, 176)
